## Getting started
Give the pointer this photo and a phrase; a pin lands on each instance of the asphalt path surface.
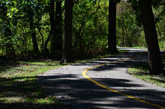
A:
(120, 90)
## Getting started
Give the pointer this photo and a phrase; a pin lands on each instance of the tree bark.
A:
(147, 18)
(33, 33)
(32, 28)
(47, 41)
(112, 27)
(58, 29)
(67, 47)
(52, 23)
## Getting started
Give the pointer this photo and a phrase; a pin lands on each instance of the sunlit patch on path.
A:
(69, 86)
(116, 91)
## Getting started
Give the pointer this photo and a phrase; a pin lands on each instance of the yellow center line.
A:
(116, 91)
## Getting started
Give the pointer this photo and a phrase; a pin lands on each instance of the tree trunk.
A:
(52, 22)
(46, 42)
(58, 28)
(112, 27)
(67, 47)
(39, 30)
(33, 33)
(147, 17)
(32, 28)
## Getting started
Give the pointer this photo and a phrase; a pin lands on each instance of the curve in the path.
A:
(116, 91)
(69, 86)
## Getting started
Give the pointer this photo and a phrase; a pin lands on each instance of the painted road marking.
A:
(116, 91)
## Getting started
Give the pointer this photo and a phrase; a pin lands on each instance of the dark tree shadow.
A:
(80, 93)
(28, 91)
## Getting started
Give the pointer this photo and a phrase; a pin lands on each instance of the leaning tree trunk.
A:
(58, 29)
(32, 28)
(67, 47)
(52, 31)
(112, 27)
(147, 17)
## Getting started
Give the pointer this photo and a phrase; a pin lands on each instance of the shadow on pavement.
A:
(80, 93)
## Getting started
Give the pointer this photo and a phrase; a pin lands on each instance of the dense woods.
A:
(72, 29)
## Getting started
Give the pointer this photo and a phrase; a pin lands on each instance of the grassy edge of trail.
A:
(19, 88)
(18, 85)
(141, 72)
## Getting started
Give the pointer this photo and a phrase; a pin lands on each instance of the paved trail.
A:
(69, 85)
